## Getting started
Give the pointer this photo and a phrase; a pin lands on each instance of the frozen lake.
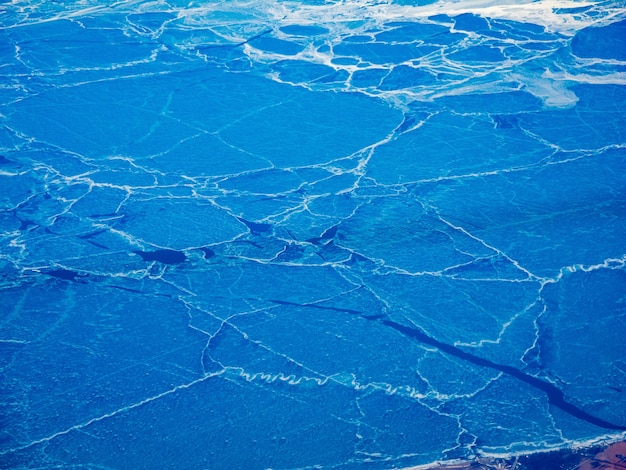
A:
(315, 234)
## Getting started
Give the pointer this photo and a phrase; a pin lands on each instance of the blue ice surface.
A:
(324, 234)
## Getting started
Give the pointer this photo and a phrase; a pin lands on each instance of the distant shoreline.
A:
(607, 456)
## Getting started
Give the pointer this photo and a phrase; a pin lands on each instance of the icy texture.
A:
(310, 235)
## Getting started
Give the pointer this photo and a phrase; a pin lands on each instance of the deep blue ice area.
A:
(317, 234)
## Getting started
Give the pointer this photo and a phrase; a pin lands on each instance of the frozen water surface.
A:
(316, 234)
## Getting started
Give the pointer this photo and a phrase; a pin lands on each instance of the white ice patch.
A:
(553, 93)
